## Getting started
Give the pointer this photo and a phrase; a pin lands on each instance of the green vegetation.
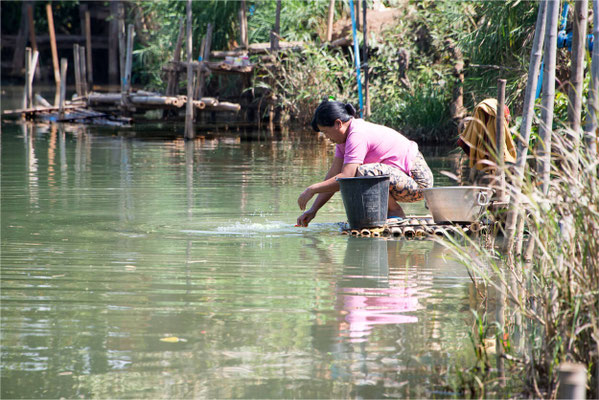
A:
(551, 297)
(494, 38)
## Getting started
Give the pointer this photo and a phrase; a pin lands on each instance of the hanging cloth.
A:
(478, 139)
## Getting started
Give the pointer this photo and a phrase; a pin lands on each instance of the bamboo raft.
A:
(418, 227)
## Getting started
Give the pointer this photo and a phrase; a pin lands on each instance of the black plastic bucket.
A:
(366, 199)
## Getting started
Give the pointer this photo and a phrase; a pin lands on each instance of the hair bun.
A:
(350, 109)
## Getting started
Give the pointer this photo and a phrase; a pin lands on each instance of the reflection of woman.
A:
(364, 148)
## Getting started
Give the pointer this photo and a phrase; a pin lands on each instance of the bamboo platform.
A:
(418, 227)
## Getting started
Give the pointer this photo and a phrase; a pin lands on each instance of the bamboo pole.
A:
(54, 50)
(77, 70)
(122, 42)
(88, 46)
(525, 128)
(243, 25)
(500, 139)
(590, 129)
(548, 99)
(275, 33)
(189, 133)
(63, 85)
(365, 61)
(330, 22)
(83, 70)
(129, 59)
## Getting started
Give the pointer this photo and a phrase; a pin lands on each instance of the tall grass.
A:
(552, 295)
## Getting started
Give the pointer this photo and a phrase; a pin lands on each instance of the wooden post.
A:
(545, 128)
(21, 43)
(572, 381)
(525, 128)
(330, 22)
(171, 86)
(54, 52)
(113, 43)
(201, 73)
(365, 61)
(83, 71)
(129, 59)
(63, 85)
(208, 47)
(243, 25)
(122, 42)
(77, 70)
(32, 39)
(357, 14)
(275, 33)
(88, 46)
(590, 129)
(189, 133)
(500, 139)
(28, 90)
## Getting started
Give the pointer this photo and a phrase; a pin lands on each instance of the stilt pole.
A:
(189, 133)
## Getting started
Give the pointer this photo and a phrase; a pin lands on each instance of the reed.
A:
(552, 297)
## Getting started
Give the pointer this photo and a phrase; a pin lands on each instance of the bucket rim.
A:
(363, 177)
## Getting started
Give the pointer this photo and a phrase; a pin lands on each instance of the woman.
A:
(364, 148)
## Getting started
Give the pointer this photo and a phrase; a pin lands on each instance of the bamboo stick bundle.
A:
(526, 126)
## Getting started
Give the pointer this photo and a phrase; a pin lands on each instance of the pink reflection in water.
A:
(366, 307)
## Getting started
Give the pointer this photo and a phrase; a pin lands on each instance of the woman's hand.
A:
(304, 198)
(306, 217)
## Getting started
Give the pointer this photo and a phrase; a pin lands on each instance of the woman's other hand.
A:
(306, 217)
(304, 198)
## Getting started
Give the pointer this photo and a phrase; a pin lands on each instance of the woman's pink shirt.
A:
(369, 143)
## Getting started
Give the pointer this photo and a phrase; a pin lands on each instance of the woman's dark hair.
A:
(328, 111)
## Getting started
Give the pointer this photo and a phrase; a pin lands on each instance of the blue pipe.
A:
(356, 55)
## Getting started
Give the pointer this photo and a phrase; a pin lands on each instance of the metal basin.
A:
(457, 203)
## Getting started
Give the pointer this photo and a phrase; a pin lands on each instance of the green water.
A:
(112, 242)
